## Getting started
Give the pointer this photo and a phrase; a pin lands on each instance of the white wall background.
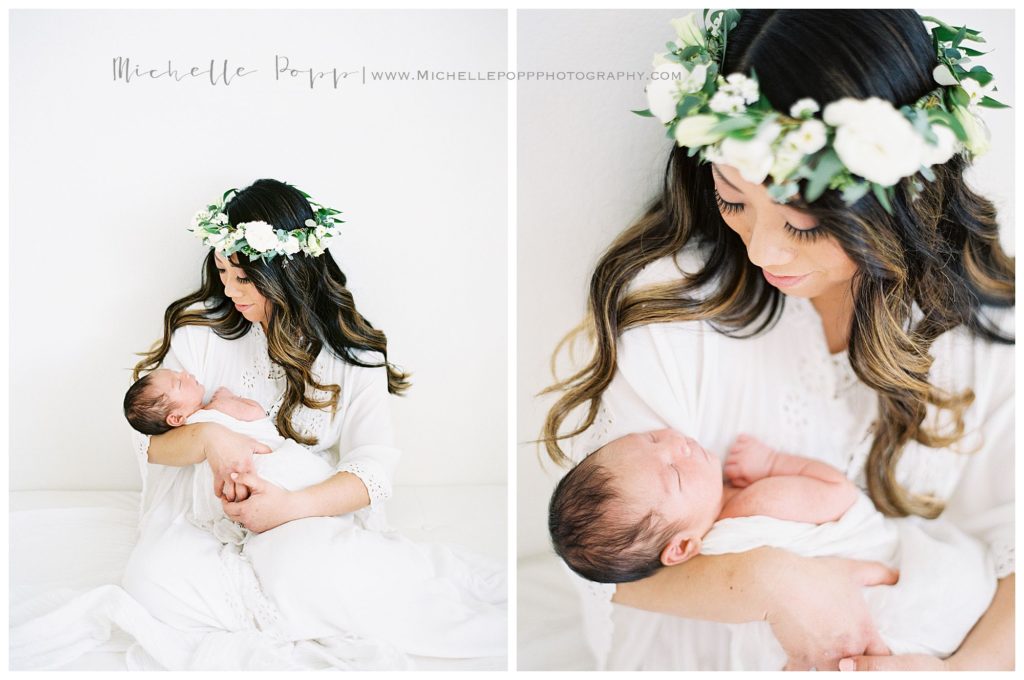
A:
(587, 167)
(105, 177)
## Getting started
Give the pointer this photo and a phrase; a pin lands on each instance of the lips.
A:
(783, 281)
(242, 308)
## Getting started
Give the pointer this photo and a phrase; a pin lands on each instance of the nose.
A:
(768, 245)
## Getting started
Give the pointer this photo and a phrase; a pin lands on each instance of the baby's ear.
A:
(175, 419)
(681, 547)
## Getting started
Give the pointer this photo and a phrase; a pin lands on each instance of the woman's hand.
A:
(229, 452)
(819, 615)
(268, 505)
(903, 662)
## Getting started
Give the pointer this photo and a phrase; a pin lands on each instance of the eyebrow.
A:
(722, 177)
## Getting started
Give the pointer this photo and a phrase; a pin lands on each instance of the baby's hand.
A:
(222, 393)
(749, 460)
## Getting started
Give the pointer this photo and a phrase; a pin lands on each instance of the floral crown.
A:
(859, 145)
(261, 240)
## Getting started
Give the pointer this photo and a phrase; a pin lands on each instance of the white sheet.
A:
(46, 571)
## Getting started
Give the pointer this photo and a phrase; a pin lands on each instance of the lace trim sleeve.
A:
(377, 485)
(1004, 559)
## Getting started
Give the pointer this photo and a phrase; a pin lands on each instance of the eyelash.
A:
(728, 208)
(240, 279)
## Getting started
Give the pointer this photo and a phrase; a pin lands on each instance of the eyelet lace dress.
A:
(785, 388)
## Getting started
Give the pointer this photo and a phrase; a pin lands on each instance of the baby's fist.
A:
(749, 460)
(223, 393)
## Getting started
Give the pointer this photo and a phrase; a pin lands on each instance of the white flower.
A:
(944, 150)
(217, 240)
(696, 131)
(874, 140)
(664, 94)
(320, 231)
(943, 76)
(739, 84)
(753, 158)
(809, 137)
(979, 139)
(976, 91)
(260, 236)
(199, 217)
(806, 107)
(787, 160)
(313, 246)
(688, 31)
(291, 245)
(310, 223)
(723, 102)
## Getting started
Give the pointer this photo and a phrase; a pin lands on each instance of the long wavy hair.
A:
(311, 309)
(940, 251)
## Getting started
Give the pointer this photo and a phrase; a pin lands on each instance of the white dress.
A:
(320, 592)
(786, 389)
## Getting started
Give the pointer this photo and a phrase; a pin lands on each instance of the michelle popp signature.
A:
(223, 72)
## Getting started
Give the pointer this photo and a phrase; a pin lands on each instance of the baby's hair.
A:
(146, 411)
(597, 535)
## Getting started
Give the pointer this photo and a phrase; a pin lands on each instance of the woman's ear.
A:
(681, 547)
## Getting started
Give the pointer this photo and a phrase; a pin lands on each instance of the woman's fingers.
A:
(227, 491)
(241, 492)
(875, 574)
(248, 479)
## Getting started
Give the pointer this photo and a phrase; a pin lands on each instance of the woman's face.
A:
(795, 256)
(253, 306)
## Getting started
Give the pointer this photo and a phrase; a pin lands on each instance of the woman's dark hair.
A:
(311, 307)
(939, 251)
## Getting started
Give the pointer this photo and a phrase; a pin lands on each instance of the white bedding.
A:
(549, 626)
(47, 567)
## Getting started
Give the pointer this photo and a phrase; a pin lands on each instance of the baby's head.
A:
(638, 503)
(161, 400)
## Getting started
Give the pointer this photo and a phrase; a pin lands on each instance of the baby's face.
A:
(669, 472)
(181, 388)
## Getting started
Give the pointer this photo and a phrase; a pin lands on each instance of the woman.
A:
(319, 584)
(867, 330)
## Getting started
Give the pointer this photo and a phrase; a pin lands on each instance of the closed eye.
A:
(679, 478)
(809, 234)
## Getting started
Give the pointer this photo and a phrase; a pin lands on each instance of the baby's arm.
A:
(784, 486)
(243, 409)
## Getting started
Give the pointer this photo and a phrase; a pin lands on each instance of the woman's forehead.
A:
(223, 261)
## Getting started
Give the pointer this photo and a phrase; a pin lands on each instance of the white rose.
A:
(664, 93)
(979, 139)
(753, 158)
(943, 150)
(787, 160)
(874, 140)
(310, 223)
(260, 236)
(314, 247)
(809, 137)
(291, 245)
(696, 131)
(688, 31)
(804, 107)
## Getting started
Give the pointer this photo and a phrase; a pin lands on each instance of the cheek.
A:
(834, 262)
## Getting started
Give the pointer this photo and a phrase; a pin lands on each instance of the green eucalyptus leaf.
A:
(980, 74)
(927, 173)
(689, 51)
(736, 123)
(882, 196)
(949, 120)
(646, 113)
(973, 53)
(990, 103)
(960, 35)
(827, 167)
(855, 191)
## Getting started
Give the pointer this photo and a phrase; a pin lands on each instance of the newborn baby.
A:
(656, 499)
(165, 399)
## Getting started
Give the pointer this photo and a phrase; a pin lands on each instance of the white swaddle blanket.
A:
(947, 579)
(290, 466)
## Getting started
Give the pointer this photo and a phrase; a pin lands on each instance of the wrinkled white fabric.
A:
(320, 592)
(932, 556)
(785, 388)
